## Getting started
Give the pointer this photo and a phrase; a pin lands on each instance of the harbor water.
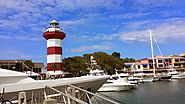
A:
(161, 92)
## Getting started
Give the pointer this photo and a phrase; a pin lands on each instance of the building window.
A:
(182, 60)
(160, 61)
(170, 61)
(145, 66)
(138, 67)
(176, 60)
(39, 70)
(160, 66)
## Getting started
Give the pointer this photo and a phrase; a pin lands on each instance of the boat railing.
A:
(74, 94)
(68, 94)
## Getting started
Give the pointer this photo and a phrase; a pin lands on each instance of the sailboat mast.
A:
(152, 50)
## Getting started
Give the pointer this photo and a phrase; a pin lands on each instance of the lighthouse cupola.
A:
(54, 24)
(54, 36)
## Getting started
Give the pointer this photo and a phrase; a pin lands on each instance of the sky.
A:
(92, 26)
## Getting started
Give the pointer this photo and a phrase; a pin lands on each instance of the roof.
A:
(54, 22)
(38, 64)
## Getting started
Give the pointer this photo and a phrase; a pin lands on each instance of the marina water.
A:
(161, 92)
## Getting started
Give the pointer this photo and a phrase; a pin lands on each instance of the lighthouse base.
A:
(55, 74)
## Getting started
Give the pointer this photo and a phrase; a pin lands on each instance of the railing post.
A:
(22, 98)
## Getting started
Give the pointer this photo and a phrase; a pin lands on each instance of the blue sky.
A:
(91, 26)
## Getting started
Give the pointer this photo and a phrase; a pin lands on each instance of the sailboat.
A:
(155, 78)
(161, 76)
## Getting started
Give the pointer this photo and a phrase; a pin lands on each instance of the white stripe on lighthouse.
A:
(54, 43)
(54, 58)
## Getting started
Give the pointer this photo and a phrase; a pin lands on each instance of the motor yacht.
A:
(12, 83)
(117, 82)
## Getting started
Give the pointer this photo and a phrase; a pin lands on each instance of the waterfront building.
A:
(54, 36)
(161, 62)
(22, 65)
(38, 67)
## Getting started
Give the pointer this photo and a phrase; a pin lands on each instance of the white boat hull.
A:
(133, 80)
(156, 78)
(178, 76)
(116, 87)
(145, 80)
(35, 89)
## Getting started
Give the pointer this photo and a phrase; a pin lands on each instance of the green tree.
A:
(128, 60)
(75, 64)
(105, 61)
(116, 54)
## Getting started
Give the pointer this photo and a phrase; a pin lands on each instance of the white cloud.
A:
(86, 48)
(13, 54)
(58, 5)
(129, 15)
(155, 2)
(9, 54)
(103, 37)
(88, 4)
(134, 36)
(20, 37)
(170, 29)
(74, 22)
(21, 14)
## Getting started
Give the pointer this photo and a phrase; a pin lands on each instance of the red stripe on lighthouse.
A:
(54, 35)
(54, 50)
(54, 66)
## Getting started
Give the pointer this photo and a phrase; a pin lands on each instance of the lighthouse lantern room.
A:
(54, 36)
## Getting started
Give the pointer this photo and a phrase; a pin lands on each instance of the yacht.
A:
(12, 83)
(128, 78)
(175, 74)
(117, 82)
(165, 76)
(180, 75)
(143, 77)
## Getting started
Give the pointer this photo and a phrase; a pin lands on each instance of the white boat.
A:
(165, 76)
(8, 76)
(95, 69)
(117, 83)
(142, 77)
(145, 79)
(116, 86)
(97, 72)
(133, 80)
(128, 78)
(12, 82)
(180, 75)
(175, 74)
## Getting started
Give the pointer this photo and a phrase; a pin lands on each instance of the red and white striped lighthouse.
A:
(54, 37)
